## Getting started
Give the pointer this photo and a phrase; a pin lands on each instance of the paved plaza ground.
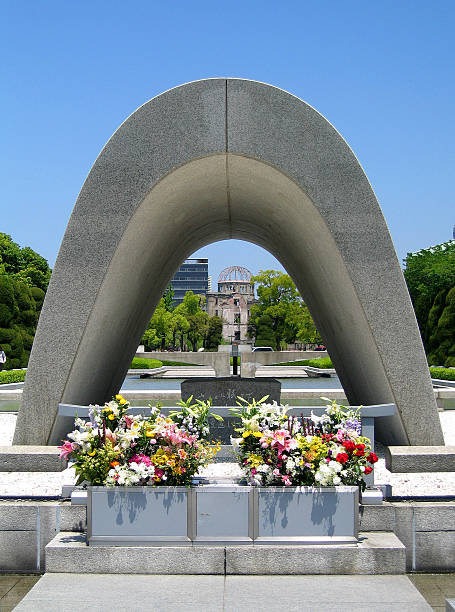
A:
(117, 593)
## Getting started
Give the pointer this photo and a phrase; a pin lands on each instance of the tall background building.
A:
(191, 276)
(232, 303)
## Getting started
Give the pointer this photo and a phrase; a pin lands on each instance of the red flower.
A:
(372, 458)
(342, 458)
(368, 469)
(359, 452)
(349, 446)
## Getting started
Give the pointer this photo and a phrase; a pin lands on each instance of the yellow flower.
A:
(255, 460)
(111, 417)
(93, 453)
(246, 434)
(119, 397)
(257, 434)
(123, 401)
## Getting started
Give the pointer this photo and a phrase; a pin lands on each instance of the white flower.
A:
(336, 480)
(335, 466)
(324, 418)
(114, 407)
(251, 424)
(290, 464)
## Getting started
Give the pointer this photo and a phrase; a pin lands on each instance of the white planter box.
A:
(128, 516)
(306, 515)
(222, 514)
(217, 514)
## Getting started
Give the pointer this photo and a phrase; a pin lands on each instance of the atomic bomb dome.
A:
(232, 301)
(235, 279)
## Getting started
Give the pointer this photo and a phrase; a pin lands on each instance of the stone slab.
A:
(376, 553)
(31, 459)
(19, 551)
(17, 517)
(435, 551)
(450, 605)
(434, 517)
(68, 552)
(225, 391)
(404, 530)
(72, 518)
(377, 517)
(215, 593)
(100, 592)
(420, 458)
(310, 593)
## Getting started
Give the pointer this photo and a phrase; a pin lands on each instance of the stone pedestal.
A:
(225, 392)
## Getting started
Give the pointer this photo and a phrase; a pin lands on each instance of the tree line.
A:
(186, 325)
(430, 277)
(24, 277)
(279, 316)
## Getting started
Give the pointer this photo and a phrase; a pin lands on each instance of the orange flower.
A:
(114, 463)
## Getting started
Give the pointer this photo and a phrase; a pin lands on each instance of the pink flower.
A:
(285, 479)
(128, 421)
(66, 449)
(110, 435)
(276, 472)
(141, 459)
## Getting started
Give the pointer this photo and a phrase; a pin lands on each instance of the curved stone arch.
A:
(217, 159)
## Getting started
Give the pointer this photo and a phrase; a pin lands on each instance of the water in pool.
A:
(135, 382)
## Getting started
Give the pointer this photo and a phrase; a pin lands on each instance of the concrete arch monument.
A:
(217, 159)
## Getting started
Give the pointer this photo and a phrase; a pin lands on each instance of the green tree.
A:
(427, 273)
(24, 263)
(442, 340)
(18, 318)
(214, 334)
(169, 299)
(24, 276)
(179, 326)
(160, 323)
(280, 315)
(264, 332)
(198, 320)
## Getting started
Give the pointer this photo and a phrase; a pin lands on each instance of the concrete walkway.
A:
(130, 593)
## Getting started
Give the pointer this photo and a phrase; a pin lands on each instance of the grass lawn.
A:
(321, 362)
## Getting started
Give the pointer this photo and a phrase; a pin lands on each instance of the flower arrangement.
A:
(193, 416)
(115, 448)
(276, 449)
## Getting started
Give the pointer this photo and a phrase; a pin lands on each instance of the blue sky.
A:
(381, 72)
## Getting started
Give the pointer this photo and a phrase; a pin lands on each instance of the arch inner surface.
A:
(324, 233)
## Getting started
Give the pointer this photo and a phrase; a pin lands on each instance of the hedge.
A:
(321, 362)
(442, 373)
(12, 376)
(142, 363)
(179, 363)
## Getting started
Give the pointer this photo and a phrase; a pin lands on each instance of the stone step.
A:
(375, 553)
